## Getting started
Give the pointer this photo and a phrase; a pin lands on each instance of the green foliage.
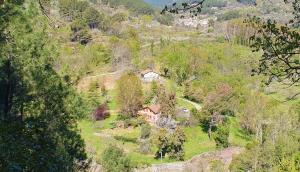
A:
(193, 92)
(119, 17)
(137, 6)
(129, 94)
(114, 160)
(229, 15)
(145, 131)
(214, 3)
(171, 143)
(166, 19)
(93, 18)
(38, 130)
(145, 146)
(273, 152)
(280, 59)
(167, 102)
(80, 32)
(72, 9)
(221, 135)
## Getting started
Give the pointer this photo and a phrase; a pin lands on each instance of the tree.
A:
(80, 32)
(281, 50)
(167, 101)
(170, 142)
(145, 145)
(145, 131)
(72, 9)
(93, 18)
(101, 112)
(114, 160)
(216, 106)
(129, 94)
(221, 135)
(38, 130)
(279, 43)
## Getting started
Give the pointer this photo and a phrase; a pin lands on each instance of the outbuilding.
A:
(149, 76)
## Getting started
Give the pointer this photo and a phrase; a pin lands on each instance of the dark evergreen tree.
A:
(37, 127)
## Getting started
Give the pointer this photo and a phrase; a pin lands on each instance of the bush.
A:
(114, 160)
(145, 146)
(80, 32)
(221, 135)
(229, 15)
(145, 131)
(215, 3)
(101, 112)
(166, 19)
(93, 18)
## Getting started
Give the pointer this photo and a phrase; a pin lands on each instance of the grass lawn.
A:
(99, 135)
(184, 104)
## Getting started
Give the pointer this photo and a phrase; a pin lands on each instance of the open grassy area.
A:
(99, 135)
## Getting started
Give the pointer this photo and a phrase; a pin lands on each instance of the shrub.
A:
(115, 160)
(166, 19)
(221, 136)
(80, 32)
(228, 15)
(145, 131)
(101, 112)
(145, 146)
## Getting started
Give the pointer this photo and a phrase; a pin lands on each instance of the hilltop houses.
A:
(150, 113)
(149, 76)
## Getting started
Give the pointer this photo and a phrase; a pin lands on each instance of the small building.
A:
(150, 113)
(149, 76)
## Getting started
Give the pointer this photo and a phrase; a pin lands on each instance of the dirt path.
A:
(198, 163)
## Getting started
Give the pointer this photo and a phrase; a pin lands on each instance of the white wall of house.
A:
(150, 76)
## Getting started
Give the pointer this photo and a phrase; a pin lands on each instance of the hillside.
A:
(161, 3)
(114, 85)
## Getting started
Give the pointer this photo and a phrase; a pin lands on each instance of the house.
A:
(149, 76)
(150, 113)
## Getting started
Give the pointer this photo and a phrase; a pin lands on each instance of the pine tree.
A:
(37, 128)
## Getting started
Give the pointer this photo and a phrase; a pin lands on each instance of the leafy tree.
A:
(277, 149)
(119, 17)
(167, 101)
(114, 160)
(72, 9)
(167, 19)
(145, 131)
(145, 145)
(38, 129)
(216, 106)
(279, 43)
(170, 142)
(281, 50)
(101, 112)
(93, 18)
(80, 32)
(221, 135)
(129, 94)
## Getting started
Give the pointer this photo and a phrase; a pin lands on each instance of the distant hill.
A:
(161, 3)
(137, 6)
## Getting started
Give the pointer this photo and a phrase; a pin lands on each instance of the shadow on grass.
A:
(125, 139)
